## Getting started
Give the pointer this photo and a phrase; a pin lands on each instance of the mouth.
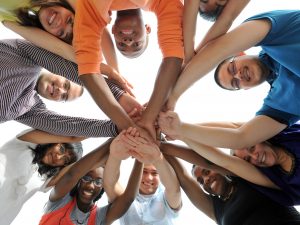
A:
(53, 19)
(88, 193)
(50, 89)
(263, 158)
(246, 74)
(126, 31)
(213, 185)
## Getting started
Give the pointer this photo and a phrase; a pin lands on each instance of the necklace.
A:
(225, 198)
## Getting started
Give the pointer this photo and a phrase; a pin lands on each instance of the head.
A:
(50, 158)
(89, 188)
(150, 180)
(57, 88)
(262, 154)
(211, 9)
(54, 16)
(130, 33)
(212, 182)
(241, 72)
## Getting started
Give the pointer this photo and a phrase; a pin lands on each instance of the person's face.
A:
(58, 88)
(242, 72)
(211, 5)
(262, 155)
(130, 35)
(58, 21)
(90, 185)
(57, 155)
(212, 182)
(150, 180)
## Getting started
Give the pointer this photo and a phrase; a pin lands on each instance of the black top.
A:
(247, 206)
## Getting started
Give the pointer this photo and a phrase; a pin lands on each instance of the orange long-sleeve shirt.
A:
(92, 16)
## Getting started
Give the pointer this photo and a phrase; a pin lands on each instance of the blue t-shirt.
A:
(280, 53)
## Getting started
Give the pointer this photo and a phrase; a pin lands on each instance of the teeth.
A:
(263, 158)
(89, 193)
(52, 18)
(212, 185)
(127, 32)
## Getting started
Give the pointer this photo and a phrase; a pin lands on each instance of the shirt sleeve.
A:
(169, 30)
(280, 116)
(43, 119)
(88, 28)
(50, 61)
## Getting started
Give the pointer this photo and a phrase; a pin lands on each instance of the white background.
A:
(203, 102)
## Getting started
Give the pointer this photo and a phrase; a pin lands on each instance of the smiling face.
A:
(58, 88)
(58, 21)
(90, 186)
(242, 72)
(262, 155)
(58, 155)
(130, 35)
(150, 180)
(212, 182)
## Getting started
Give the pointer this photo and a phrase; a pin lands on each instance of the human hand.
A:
(169, 124)
(119, 148)
(143, 150)
(117, 78)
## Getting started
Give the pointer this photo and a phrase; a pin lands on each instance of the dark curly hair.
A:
(28, 16)
(48, 171)
(212, 15)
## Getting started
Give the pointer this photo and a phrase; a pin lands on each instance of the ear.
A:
(148, 28)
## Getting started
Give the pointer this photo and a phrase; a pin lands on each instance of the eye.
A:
(98, 182)
(62, 149)
(137, 44)
(247, 158)
(251, 149)
(121, 44)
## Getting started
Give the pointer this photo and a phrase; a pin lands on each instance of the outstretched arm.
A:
(192, 188)
(249, 134)
(214, 52)
(221, 26)
(234, 164)
(42, 137)
(149, 153)
(167, 75)
(121, 203)
(190, 13)
(191, 156)
(78, 170)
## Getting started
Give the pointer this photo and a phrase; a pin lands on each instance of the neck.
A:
(284, 159)
(228, 191)
(84, 207)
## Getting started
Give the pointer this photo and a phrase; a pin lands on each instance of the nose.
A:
(206, 180)
(128, 41)
(254, 156)
(238, 75)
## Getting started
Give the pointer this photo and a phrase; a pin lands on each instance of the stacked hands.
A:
(132, 143)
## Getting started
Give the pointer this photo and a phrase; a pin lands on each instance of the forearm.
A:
(78, 170)
(167, 75)
(189, 27)
(169, 179)
(43, 119)
(103, 97)
(38, 36)
(191, 156)
(251, 133)
(121, 204)
(108, 49)
(111, 177)
(192, 188)
(236, 165)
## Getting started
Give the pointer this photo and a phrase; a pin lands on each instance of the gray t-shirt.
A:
(77, 216)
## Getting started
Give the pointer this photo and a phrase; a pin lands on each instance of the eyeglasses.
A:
(235, 83)
(97, 182)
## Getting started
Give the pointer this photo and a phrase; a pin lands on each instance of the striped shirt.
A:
(21, 63)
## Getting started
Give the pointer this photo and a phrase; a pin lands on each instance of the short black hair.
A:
(212, 15)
